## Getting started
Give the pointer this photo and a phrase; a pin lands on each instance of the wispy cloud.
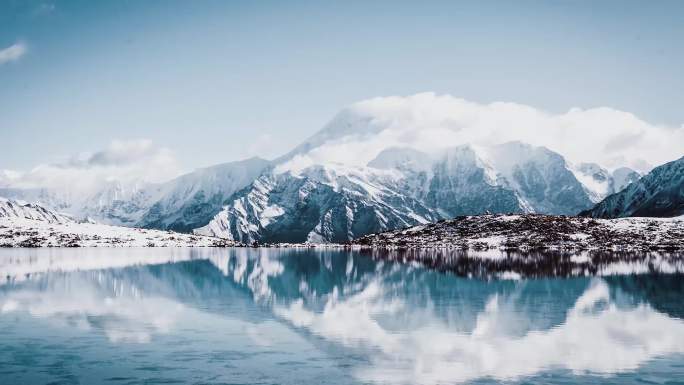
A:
(12, 53)
(264, 146)
(45, 9)
(125, 161)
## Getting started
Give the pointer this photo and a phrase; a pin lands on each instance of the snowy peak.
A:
(320, 204)
(462, 158)
(245, 217)
(538, 177)
(112, 203)
(191, 200)
(21, 210)
(184, 203)
(118, 204)
(221, 176)
(596, 180)
(660, 193)
(352, 121)
(378, 164)
(403, 159)
(594, 170)
(463, 183)
(507, 155)
(40, 196)
(400, 187)
(599, 182)
(623, 177)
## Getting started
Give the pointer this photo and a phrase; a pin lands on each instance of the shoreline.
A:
(511, 232)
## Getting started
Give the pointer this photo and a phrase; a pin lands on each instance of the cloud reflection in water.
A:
(410, 324)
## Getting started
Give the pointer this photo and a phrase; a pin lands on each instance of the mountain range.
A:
(403, 187)
(12, 209)
(660, 193)
(310, 195)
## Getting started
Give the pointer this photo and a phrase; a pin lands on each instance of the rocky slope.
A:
(191, 200)
(181, 204)
(31, 225)
(660, 193)
(12, 209)
(599, 182)
(321, 204)
(372, 168)
(527, 232)
(399, 187)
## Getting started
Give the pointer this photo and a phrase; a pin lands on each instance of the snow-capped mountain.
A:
(191, 200)
(320, 204)
(378, 165)
(113, 203)
(31, 225)
(40, 196)
(118, 204)
(181, 204)
(399, 187)
(623, 177)
(540, 178)
(660, 193)
(11, 209)
(599, 182)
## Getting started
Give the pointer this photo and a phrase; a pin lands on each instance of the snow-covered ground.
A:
(527, 246)
(25, 224)
(23, 232)
(532, 232)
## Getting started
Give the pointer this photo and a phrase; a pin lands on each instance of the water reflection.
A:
(359, 318)
(535, 263)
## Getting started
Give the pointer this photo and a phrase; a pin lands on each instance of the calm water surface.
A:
(267, 316)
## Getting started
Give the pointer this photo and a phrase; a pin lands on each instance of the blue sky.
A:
(216, 81)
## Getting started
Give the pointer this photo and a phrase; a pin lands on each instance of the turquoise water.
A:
(267, 316)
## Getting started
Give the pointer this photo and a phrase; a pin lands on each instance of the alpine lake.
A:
(325, 316)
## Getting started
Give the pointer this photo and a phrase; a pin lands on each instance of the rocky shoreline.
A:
(535, 232)
(524, 232)
(512, 264)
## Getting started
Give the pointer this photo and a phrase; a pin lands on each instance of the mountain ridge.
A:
(660, 193)
(375, 166)
(337, 203)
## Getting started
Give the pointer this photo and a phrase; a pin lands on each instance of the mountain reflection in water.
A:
(307, 316)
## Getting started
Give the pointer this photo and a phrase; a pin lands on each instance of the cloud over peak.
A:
(431, 122)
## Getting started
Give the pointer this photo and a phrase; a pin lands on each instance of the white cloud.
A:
(8, 177)
(264, 146)
(596, 337)
(124, 317)
(128, 162)
(430, 122)
(12, 53)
